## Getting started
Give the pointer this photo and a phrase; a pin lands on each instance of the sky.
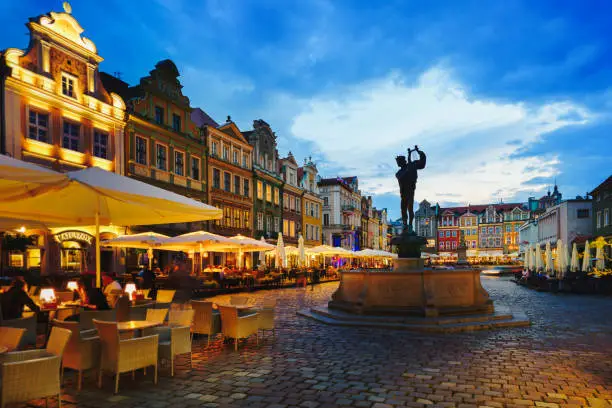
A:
(504, 97)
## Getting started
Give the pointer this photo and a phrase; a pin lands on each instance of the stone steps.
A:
(500, 319)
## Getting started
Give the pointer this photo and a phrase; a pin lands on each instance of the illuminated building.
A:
(341, 221)
(448, 232)
(292, 200)
(267, 182)
(425, 224)
(230, 176)
(602, 213)
(468, 226)
(312, 204)
(57, 113)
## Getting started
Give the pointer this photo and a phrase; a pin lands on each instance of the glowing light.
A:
(130, 289)
(72, 285)
(22, 229)
(47, 295)
(72, 156)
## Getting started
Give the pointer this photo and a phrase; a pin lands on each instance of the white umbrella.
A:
(301, 252)
(94, 197)
(600, 263)
(262, 256)
(538, 258)
(574, 264)
(526, 259)
(144, 240)
(281, 257)
(548, 267)
(586, 259)
(251, 244)
(561, 261)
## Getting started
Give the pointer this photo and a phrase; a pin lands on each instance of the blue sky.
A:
(504, 96)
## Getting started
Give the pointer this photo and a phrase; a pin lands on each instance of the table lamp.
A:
(47, 296)
(130, 289)
(72, 285)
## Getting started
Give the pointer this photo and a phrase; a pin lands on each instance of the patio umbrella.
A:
(144, 240)
(548, 266)
(538, 258)
(527, 259)
(586, 259)
(574, 264)
(301, 252)
(281, 257)
(96, 197)
(251, 244)
(600, 262)
(561, 261)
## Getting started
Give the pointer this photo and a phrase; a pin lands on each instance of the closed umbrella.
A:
(538, 258)
(600, 263)
(144, 240)
(527, 259)
(586, 259)
(574, 264)
(301, 252)
(561, 261)
(96, 197)
(548, 266)
(281, 257)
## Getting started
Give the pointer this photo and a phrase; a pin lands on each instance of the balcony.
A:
(348, 208)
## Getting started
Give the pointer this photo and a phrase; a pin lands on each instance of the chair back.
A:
(165, 296)
(179, 317)
(229, 320)
(202, 317)
(10, 337)
(122, 306)
(58, 340)
(63, 297)
(156, 315)
(88, 316)
(63, 314)
(239, 300)
(73, 343)
(269, 303)
(109, 340)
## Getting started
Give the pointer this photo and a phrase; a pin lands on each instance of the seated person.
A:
(15, 299)
(148, 277)
(92, 297)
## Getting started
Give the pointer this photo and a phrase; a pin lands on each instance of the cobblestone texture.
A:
(563, 360)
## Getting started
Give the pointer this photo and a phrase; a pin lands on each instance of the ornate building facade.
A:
(267, 181)
(425, 223)
(312, 204)
(292, 200)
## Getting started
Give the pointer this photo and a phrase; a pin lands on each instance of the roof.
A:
(335, 181)
(482, 207)
(201, 118)
(606, 184)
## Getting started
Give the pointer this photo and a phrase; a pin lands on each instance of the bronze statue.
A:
(407, 177)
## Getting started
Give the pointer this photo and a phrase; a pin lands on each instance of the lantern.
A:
(130, 289)
(72, 285)
(47, 296)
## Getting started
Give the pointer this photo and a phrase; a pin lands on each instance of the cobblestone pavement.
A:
(563, 360)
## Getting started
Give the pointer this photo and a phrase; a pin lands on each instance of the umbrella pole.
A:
(98, 284)
(150, 254)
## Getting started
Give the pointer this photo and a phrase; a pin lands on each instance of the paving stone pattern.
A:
(563, 360)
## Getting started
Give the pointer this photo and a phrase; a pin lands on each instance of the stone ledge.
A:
(426, 324)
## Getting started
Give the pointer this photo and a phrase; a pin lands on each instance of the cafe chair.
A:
(139, 310)
(165, 296)
(239, 300)
(203, 319)
(28, 322)
(238, 327)
(86, 320)
(10, 337)
(175, 339)
(266, 316)
(122, 356)
(81, 353)
(156, 315)
(63, 297)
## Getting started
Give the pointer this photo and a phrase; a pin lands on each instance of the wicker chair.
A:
(86, 322)
(156, 315)
(10, 337)
(82, 353)
(203, 322)
(238, 327)
(266, 316)
(165, 296)
(122, 356)
(175, 339)
(28, 322)
(139, 311)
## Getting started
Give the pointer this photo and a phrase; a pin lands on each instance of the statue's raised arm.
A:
(420, 163)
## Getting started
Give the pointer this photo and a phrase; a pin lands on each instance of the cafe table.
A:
(136, 325)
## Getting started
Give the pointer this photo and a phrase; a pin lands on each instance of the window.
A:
(606, 220)
(245, 187)
(276, 196)
(38, 128)
(448, 234)
(141, 150)
(100, 145)
(213, 148)
(325, 201)
(195, 168)
(268, 193)
(582, 213)
(448, 245)
(71, 137)
(298, 205)
(247, 220)
(260, 190)
(473, 244)
(237, 185)
(216, 178)
(235, 157)
(276, 224)
(598, 219)
(260, 225)
(508, 240)
(286, 227)
(475, 231)
(292, 228)
(454, 233)
(490, 230)
(441, 233)
(441, 245)
(483, 230)
(325, 219)
(225, 153)
(245, 160)
(269, 223)
(161, 157)
(516, 227)
(498, 230)
(508, 227)
(227, 181)
(179, 163)
(176, 122)
(285, 201)
(292, 203)
(497, 242)
(68, 86)
(454, 244)
(159, 115)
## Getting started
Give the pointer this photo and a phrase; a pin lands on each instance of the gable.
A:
(232, 130)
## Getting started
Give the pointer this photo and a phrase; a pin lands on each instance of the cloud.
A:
(470, 141)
